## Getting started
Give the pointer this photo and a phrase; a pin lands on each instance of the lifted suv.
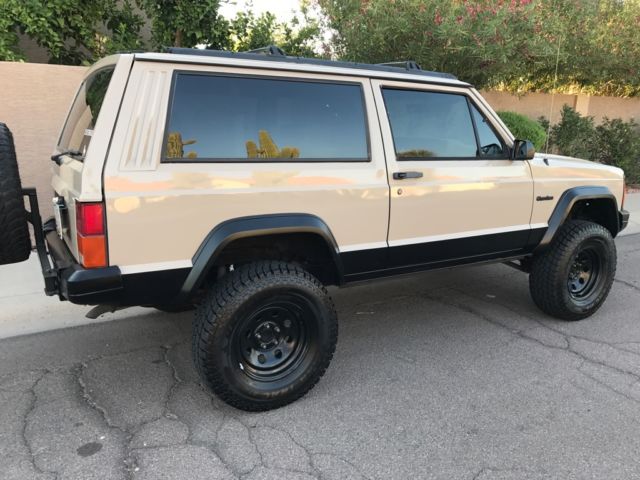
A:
(244, 184)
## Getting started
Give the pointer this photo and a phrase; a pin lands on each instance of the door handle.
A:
(403, 175)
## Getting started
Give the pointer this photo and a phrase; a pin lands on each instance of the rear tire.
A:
(264, 335)
(572, 278)
(15, 242)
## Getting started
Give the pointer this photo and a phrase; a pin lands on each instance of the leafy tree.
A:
(78, 32)
(187, 23)
(514, 44)
(72, 32)
(248, 32)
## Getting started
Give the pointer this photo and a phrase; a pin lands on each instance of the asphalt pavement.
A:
(451, 374)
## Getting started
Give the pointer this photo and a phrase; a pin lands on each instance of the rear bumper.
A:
(95, 286)
(623, 219)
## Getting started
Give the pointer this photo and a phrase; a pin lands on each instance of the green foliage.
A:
(186, 23)
(618, 143)
(512, 45)
(573, 135)
(249, 32)
(613, 142)
(72, 32)
(79, 32)
(524, 128)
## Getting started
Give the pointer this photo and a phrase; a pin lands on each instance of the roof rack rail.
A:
(275, 54)
(407, 65)
(269, 50)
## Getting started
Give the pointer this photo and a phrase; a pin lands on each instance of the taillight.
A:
(92, 243)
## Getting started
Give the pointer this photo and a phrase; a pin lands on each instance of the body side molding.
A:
(253, 226)
(566, 203)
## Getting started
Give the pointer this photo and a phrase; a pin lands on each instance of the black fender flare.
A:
(566, 202)
(260, 225)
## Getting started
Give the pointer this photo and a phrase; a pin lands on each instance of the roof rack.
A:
(269, 50)
(407, 65)
(275, 54)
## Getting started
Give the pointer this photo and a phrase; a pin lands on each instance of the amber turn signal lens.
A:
(93, 251)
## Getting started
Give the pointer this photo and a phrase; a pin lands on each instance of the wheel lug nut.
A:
(263, 345)
(258, 336)
(276, 329)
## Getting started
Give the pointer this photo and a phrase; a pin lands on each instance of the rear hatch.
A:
(79, 160)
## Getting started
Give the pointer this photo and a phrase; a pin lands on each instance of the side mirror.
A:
(523, 150)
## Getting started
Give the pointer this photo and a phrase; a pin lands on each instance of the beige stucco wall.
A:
(533, 105)
(536, 105)
(34, 99)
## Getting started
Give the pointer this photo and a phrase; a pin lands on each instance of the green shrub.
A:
(614, 142)
(524, 128)
(618, 143)
(573, 135)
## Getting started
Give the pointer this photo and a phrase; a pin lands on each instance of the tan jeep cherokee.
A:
(243, 183)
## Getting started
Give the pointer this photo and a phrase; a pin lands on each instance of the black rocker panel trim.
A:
(254, 226)
(566, 203)
(383, 262)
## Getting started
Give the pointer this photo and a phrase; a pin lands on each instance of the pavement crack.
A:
(176, 382)
(569, 348)
(628, 284)
(33, 402)
(129, 460)
(609, 387)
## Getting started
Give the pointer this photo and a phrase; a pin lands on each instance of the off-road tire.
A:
(224, 322)
(560, 283)
(15, 243)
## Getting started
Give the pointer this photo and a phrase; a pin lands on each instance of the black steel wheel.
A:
(572, 279)
(585, 272)
(264, 335)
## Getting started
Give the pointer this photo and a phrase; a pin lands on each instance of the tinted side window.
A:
(223, 118)
(429, 124)
(490, 143)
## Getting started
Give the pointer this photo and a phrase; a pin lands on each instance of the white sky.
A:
(282, 9)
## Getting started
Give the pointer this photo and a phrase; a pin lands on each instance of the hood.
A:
(568, 162)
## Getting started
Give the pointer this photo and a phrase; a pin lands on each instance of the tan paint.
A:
(563, 173)
(158, 214)
(82, 181)
(162, 212)
(454, 196)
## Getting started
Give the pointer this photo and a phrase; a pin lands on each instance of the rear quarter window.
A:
(78, 128)
(219, 118)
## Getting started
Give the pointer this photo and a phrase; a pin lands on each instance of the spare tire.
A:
(15, 242)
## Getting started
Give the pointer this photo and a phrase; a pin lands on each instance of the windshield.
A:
(82, 118)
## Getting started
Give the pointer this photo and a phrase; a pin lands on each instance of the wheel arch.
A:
(594, 203)
(258, 227)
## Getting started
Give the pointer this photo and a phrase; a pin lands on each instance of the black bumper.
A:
(623, 219)
(94, 286)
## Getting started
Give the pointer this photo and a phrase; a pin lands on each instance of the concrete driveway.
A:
(449, 375)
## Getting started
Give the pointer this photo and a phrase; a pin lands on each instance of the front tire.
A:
(264, 335)
(573, 277)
